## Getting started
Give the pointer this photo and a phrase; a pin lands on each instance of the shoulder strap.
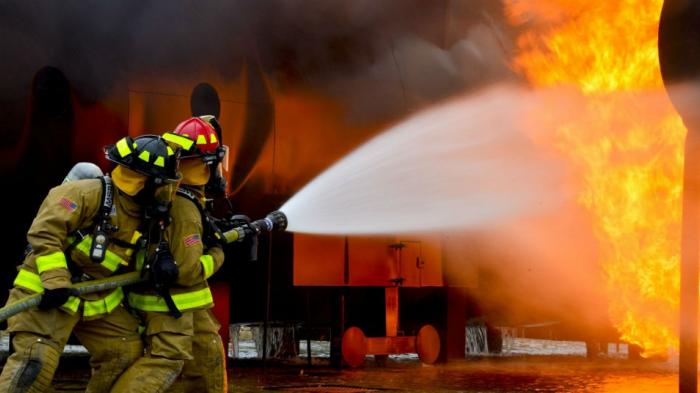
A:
(211, 229)
(187, 194)
(100, 238)
(107, 197)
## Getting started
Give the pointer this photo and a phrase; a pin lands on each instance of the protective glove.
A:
(52, 298)
(238, 220)
(164, 270)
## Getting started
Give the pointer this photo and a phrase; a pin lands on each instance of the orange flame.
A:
(626, 145)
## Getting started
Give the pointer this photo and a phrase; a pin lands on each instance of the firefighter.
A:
(202, 167)
(186, 339)
(84, 230)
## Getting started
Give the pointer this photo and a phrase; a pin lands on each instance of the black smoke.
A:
(101, 45)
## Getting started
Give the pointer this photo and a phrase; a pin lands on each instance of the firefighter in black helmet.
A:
(185, 342)
(87, 229)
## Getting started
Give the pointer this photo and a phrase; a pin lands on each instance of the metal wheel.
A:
(354, 347)
(428, 344)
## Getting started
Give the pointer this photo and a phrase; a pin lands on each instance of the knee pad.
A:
(33, 364)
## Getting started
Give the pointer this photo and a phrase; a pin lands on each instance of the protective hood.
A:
(194, 172)
(130, 182)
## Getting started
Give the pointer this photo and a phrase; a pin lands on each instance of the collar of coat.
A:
(127, 204)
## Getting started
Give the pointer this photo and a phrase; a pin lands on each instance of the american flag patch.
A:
(192, 240)
(68, 204)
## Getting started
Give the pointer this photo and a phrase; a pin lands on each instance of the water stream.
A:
(461, 164)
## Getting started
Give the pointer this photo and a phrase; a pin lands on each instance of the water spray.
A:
(465, 163)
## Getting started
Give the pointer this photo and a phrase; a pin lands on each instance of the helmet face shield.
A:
(224, 163)
(219, 162)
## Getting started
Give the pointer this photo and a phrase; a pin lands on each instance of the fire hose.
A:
(83, 288)
(275, 221)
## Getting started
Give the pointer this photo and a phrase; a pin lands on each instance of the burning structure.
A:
(295, 90)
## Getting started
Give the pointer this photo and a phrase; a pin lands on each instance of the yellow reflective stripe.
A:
(111, 261)
(92, 308)
(208, 264)
(184, 142)
(146, 156)
(201, 140)
(160, 161)
(104, 305)
(183, 301)
(84, 245)
(170, 151)
(29, 280)
(72, 304)
(134, 238)
(123, 148)
(212, 138)
(114, 299)
(54, 260)
(32, 281)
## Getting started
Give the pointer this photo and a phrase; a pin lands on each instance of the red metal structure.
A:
(391, 263)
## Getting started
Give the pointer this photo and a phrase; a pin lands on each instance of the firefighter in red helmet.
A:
(190, 345)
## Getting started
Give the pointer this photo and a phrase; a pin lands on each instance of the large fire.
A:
(626, 146)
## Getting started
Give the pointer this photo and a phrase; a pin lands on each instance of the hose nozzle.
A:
(275, 221)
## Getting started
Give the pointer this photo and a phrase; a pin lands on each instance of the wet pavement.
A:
(484, 375)
(541, 374)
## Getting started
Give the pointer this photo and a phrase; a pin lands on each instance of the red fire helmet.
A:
(206, 142)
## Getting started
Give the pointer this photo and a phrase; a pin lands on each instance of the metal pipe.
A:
(679, 57)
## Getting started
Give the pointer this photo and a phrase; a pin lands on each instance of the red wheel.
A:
(428, 344)
(354, 347)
